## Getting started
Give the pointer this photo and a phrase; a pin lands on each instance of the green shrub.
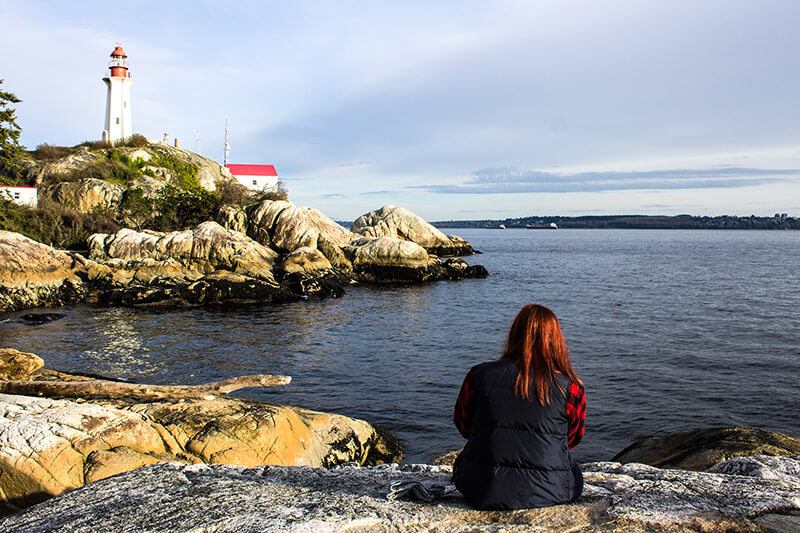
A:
(53, 223)
(95, 145)
(279, 193)
(137, 140)
(49, 152)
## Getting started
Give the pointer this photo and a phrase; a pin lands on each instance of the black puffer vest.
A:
(517, 456)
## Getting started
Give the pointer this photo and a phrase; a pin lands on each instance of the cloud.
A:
(354, 164)
(333, 195)
(377, 193)
(514, 180)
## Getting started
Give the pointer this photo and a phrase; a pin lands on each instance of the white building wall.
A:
(20, 195)
(258, 183)
(118, 109)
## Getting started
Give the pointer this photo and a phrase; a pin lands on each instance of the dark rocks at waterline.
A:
(452, 269)
(219, 288)
(636, 497)
(37, 319)
(699, 449)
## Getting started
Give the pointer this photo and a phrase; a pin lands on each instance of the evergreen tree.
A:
(10, 149)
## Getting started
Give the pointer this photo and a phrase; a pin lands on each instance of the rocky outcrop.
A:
(48, 446)
(400, 223)
(207, 265)
(617, 498)
(387, 259)
(204, 249)
(86, 196)
(33, 274)
(701, 448)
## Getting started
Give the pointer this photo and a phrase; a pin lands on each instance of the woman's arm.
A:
(576, 414)
(465, 406)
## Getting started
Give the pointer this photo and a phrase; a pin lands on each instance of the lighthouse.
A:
(118, 99)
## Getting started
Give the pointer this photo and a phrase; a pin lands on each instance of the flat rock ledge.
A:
(760, 494)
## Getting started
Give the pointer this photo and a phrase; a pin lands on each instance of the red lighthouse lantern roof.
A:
(118, 52)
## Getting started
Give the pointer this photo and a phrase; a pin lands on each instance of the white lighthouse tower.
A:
(118, 100)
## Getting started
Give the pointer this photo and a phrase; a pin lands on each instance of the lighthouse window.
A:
(255, 182)
(117, 120)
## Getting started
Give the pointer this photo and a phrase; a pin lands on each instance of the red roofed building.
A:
(259, 177)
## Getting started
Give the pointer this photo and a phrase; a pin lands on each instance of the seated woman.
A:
(521, 415)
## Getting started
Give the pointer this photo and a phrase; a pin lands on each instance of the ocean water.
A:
(670, 330)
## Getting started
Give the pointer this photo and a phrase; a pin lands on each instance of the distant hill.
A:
(778, 221)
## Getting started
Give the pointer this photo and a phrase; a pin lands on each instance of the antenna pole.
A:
(227, 146)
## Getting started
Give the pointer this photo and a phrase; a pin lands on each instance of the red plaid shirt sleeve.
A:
(576, 414)
(465, 406)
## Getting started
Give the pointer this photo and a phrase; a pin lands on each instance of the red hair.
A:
(536, 344)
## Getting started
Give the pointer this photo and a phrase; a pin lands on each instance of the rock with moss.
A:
(617, 498)
(701, 448)
(400, 223)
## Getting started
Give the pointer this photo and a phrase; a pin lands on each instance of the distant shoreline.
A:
(723, 222)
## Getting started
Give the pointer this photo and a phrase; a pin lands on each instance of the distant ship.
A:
(552, 225)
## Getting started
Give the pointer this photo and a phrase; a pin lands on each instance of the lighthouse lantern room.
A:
(118, 98)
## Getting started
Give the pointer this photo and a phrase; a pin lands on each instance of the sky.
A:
(454, 110)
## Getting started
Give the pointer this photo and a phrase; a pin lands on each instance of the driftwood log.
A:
(114, 389)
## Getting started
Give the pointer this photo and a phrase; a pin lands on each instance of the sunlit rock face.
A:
(400, 223)
(205, 248)
(206, 265)
(49, 446)
(288, 227)
(617, 498)
(33, 274)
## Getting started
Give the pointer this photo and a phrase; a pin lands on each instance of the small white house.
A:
(20, 195)
(257, 177)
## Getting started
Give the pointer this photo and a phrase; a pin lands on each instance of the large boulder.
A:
(85, 196)
(33, 274)
(392, 260)
(49, 446)
(617, 498)
(232, 217)
(699, 449)
(288, 227)
(400, 223)
(17, 365)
